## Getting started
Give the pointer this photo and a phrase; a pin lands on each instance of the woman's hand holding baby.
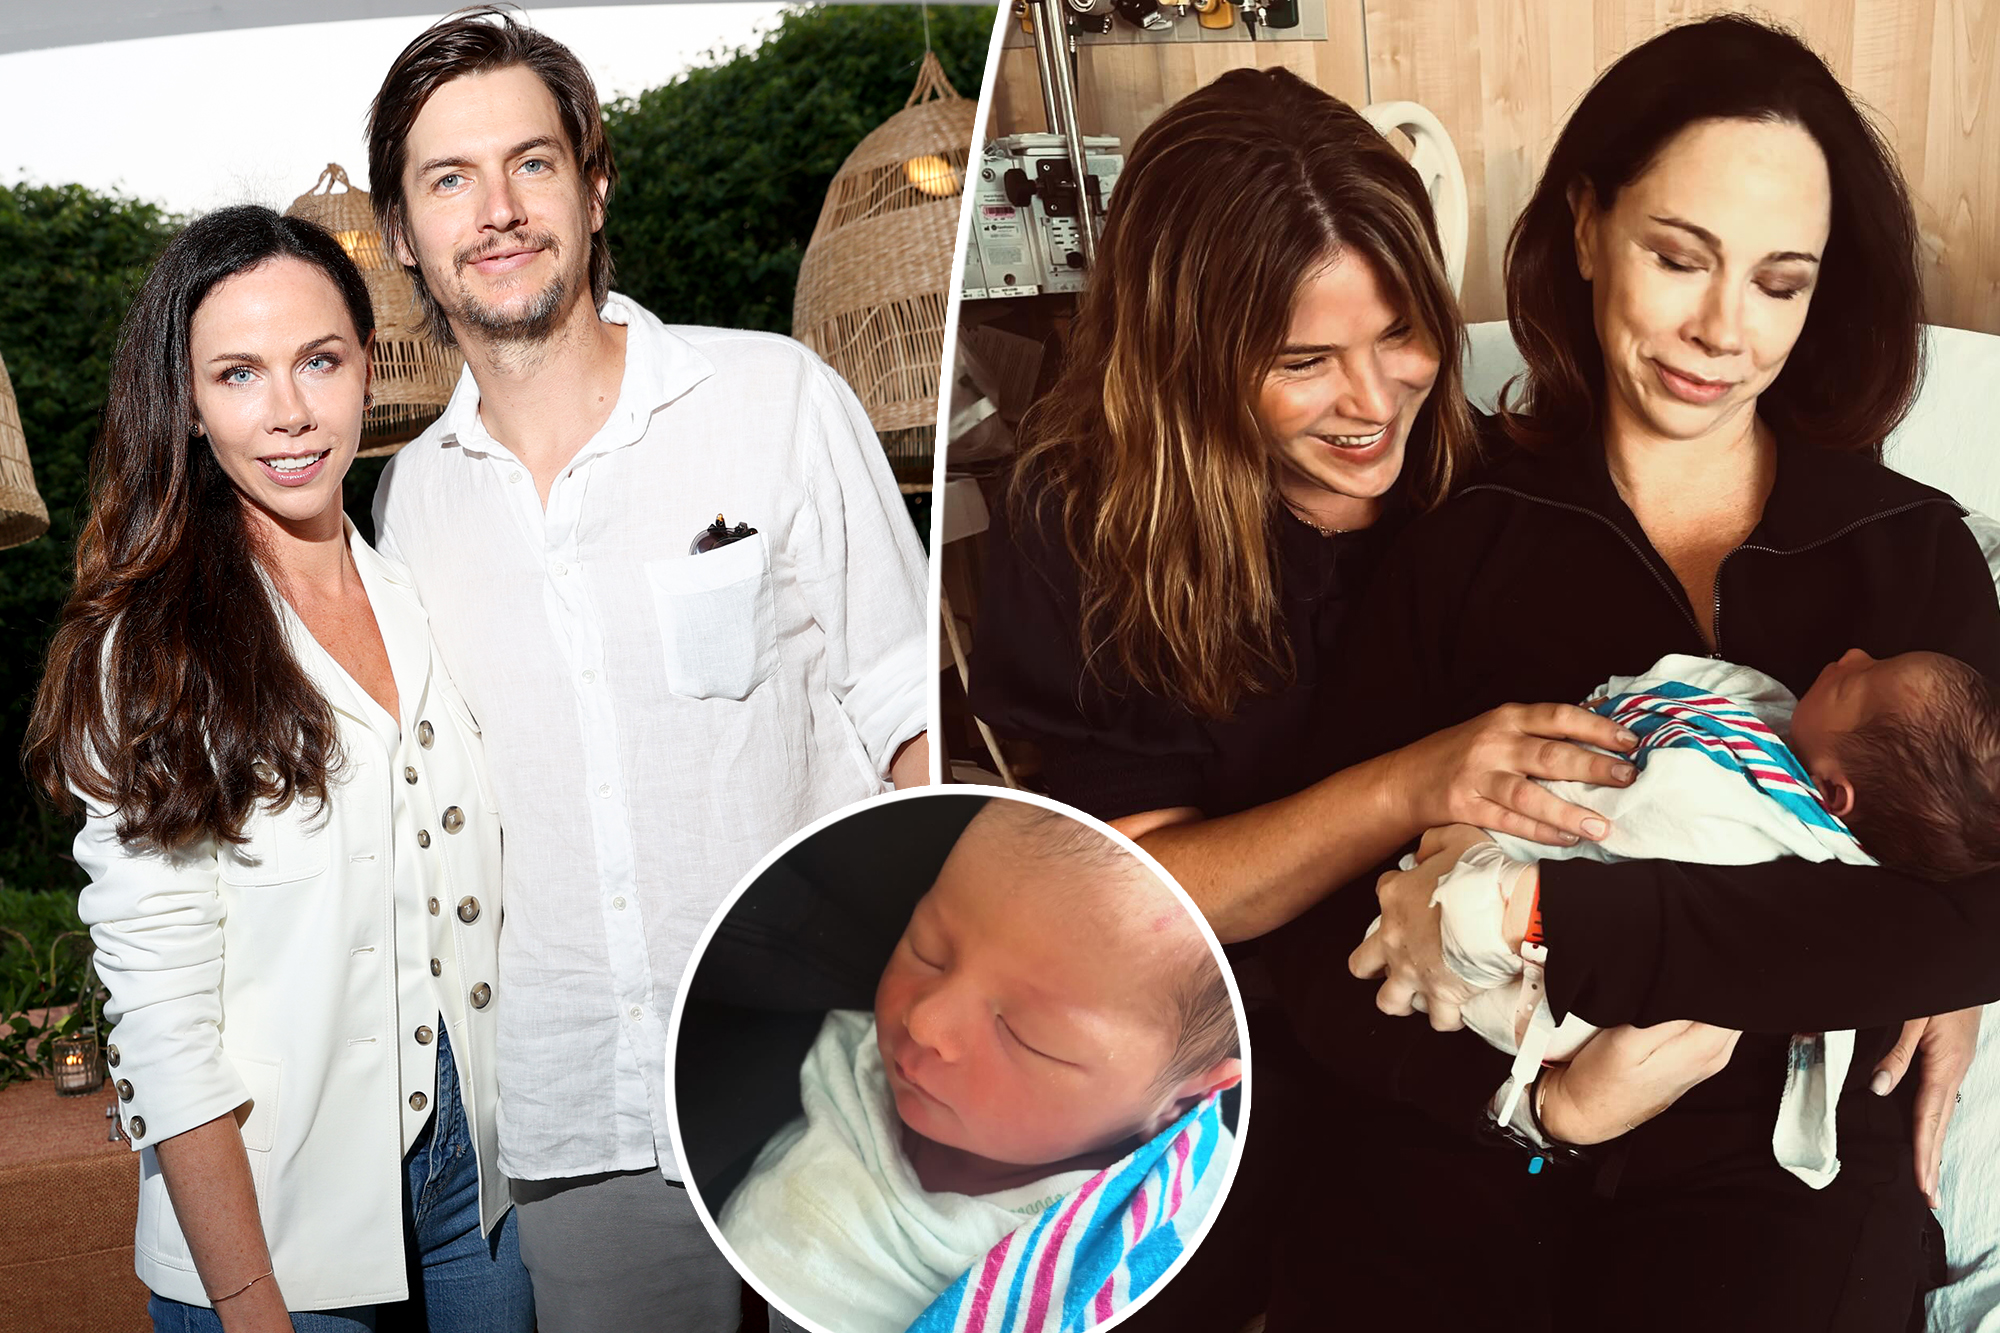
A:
(1625, 1076)
(1480, 772)
(1407, 950)
(1946, 1043)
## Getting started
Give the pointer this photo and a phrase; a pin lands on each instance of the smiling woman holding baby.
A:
(1262, 386)
(1715, 291)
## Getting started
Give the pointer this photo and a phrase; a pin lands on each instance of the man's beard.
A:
(530, 324)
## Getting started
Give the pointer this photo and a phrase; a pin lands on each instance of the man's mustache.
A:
(500, 244)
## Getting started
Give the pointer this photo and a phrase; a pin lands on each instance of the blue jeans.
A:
(460, 1281)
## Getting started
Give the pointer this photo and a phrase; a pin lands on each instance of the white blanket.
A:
(832, 1219)
(1720, 788)
(1969, 1186)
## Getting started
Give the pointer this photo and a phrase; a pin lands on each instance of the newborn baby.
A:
(1890, 761)
(1050, 1007)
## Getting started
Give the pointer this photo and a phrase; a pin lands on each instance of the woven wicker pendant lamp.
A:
(876, 274)
(414, 375)
(23, 516)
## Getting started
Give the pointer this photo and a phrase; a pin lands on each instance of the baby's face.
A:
(1027, 1015)
(1852, 692)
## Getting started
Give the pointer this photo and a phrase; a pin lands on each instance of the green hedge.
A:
(723, 170)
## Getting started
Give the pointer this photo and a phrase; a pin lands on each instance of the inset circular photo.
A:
(956, 1060)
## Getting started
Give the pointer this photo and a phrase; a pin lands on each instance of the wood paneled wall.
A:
(1502, 74)
(1121, 88)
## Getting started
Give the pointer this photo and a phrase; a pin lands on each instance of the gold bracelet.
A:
(217, 1300)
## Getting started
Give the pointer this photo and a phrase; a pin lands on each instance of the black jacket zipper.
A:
(1679, 598)
(1835, 535)
(1675, 593)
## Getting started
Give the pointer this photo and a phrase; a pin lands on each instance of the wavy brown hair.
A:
(171, 694)
(478, 40)
(1858, 362)
(1150, 441)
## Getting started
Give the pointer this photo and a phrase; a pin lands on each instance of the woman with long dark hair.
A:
(1715, 287)
(294, 866)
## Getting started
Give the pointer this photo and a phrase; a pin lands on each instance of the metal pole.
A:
(1039, 12)
(1059, 96)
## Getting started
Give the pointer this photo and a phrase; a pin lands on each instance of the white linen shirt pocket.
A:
(717, 619)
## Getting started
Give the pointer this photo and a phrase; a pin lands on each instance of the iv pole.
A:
(1052, 55)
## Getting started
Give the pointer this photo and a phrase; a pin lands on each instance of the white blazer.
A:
(282, 974)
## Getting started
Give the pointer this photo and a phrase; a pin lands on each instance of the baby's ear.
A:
(1225, 1074)
(1836, 793)
(1219, 1077)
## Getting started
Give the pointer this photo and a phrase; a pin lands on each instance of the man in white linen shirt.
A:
(655, 721)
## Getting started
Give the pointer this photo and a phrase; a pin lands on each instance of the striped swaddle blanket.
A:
(1105, 1244)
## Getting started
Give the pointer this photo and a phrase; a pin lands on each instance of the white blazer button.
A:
(423, 1036)
(409, 774)
(437, 967)
(482, 995)
(468, 910)
(111, 1056)
(425, 735)
(124, 1089)
(136, 1126)
(423, 837)
(418, 1101)
(434, 907)
(454, 819)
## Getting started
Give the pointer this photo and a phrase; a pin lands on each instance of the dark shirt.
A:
(1112, 749)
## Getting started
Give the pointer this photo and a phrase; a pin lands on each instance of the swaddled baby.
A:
(1050, 1007)
(1894, 761)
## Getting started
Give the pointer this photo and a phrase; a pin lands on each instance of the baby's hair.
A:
(1927, 781)
(1054, 836)
(1205, 1018)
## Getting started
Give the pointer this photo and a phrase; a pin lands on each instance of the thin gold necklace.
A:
(1319, 528)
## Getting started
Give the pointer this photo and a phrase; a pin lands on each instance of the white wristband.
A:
(1509, 1108)
(1473, 896)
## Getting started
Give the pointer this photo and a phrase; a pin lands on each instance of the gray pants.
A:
(622, 1251)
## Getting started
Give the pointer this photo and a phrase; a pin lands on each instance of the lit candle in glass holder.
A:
(77, 1067)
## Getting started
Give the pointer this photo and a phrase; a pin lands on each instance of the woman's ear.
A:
(368, 370)
(1583, 216)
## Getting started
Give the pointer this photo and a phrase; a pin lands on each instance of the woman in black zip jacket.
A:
(1715, 291)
